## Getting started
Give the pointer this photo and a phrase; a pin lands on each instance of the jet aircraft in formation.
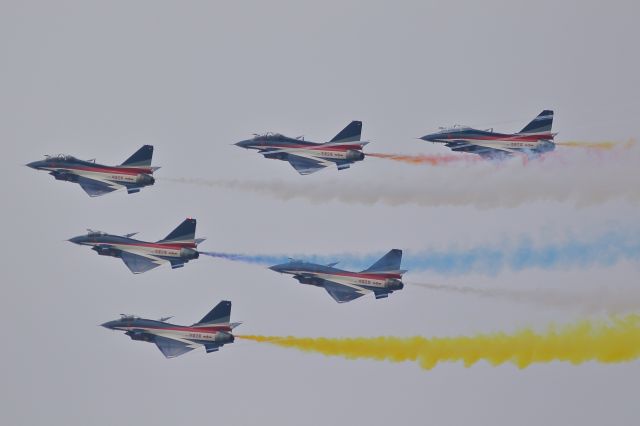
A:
(309, 157)
(177, 248)
(534, 139)
(382, 278)
(213, 331)
(180, 246)
(97, 179)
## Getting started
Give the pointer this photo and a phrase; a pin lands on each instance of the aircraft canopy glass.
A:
(126, 317)
(452, 128)
(60, 157)
(269, 135)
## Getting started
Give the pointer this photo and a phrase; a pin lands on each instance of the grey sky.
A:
(99, 79)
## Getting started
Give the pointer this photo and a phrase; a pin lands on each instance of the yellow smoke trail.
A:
(605, 145)
(433, 160)
(613, 341)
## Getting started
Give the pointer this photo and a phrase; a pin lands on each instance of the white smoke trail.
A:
(581, 178)
(608, 300)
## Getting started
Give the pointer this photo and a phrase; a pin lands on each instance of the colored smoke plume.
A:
(246, 258)
(604, 299)
(613, 341)
(433, 160)
(579, 178)
(604, 145)
(602, 250)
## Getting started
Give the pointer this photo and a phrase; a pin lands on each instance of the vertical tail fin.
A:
(184, 233)
(220, 314)
(390, 262)
(141, 158)
(541, 124)
(350, 133)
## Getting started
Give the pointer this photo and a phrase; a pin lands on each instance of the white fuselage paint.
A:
(317, 152)
(185, 336)
(116, 180)
(355, 282)
(503, 144)
(156, 252)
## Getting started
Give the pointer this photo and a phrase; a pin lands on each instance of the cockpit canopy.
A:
(268, 136)
(128, 317)
(298, 263)
(60, 157)
(94, 233)
(454, 128)
(64, 157)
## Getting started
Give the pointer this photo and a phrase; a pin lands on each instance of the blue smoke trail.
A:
(246, 258)
(268, 260)
(604, 250)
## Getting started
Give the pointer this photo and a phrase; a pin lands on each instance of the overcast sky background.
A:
(99, 79)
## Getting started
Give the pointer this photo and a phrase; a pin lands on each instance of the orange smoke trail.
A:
(604, 145)
(433, 160)
(613, 341)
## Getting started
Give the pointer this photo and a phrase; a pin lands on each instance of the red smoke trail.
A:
(443, 159)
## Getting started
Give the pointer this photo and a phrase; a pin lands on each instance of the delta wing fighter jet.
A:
(97, 179)
(534, 139)
(382, 278)
(309, 157)
(213, 331)
(177, 248)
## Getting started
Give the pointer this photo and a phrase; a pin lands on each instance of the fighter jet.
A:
(97, 179)
(177, 248)
(534, 139)
(213, 331)
(309, 157)
(381, 279)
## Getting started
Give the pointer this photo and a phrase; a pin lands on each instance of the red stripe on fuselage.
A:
(504, 138)
(363, 275)
(212, 329)
(176, 246)
(116, 170)
(320, 147)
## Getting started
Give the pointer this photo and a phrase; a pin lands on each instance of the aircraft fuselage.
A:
(72, 170)
(145, 329)
(176, 253)
(317, 274)
(467, 140)
(279, 146)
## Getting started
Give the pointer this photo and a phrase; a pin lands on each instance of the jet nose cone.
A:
(108, 324)
(76, 240)
(430, 137)
(34, 164)
(276, 268)
(246, 144)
